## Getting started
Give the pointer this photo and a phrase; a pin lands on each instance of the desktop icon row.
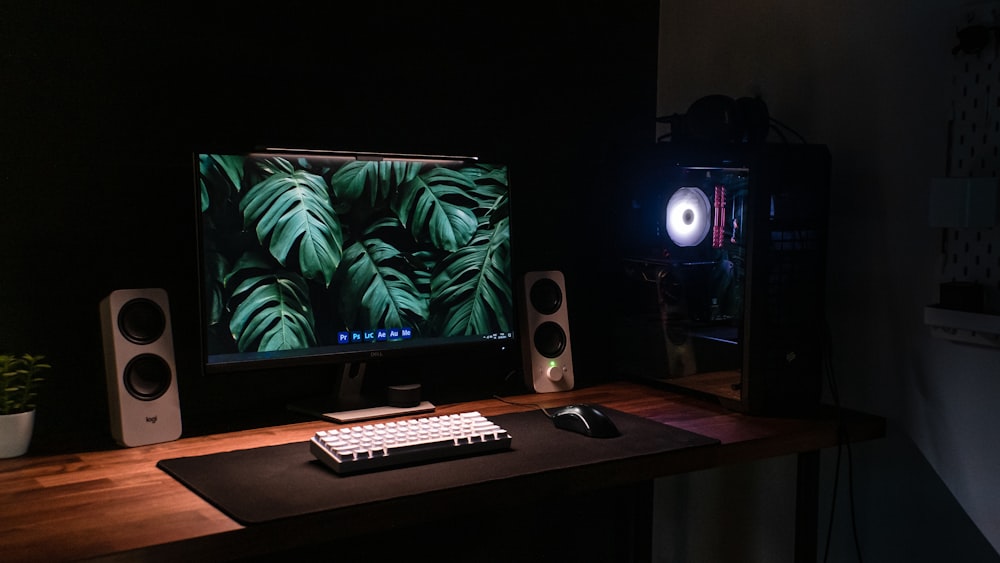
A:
(374, 335)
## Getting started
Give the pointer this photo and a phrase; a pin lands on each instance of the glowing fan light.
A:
(688, 213)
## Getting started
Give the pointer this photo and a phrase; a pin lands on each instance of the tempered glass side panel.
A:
(723, 261)
(685, 265)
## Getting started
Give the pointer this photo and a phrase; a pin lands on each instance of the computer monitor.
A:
(312, 258)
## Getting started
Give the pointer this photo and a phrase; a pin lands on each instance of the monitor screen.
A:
(314, 257)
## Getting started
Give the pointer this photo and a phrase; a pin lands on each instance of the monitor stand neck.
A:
(349, 403)
(352, 379)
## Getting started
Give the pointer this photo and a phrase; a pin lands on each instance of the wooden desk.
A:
(116, 505)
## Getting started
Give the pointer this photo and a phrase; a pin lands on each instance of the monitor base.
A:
(372, 413)
(351, 405)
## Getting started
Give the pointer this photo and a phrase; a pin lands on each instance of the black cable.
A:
(516, 404)
(780, 133)
(790, 130)
(833, 506)
(497, 396)
(673, 120)
(835, 394)
(850, 494)
(843, 441)
(669, 118)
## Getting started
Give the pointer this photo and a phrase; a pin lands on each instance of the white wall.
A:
(872, 80)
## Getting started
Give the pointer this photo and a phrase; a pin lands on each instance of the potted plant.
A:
(20, 377)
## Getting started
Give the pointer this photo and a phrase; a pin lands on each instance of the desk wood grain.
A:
(116, 505)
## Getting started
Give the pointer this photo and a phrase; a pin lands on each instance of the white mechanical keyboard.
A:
(388, 444)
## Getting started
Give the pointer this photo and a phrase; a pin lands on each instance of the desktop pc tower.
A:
(722, 272)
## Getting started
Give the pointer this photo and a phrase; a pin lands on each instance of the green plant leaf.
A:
(490, 181)
(293, 216)
(471, 292)
(376, 178)
(435, 206)
(271, 311)
(490, 191)
(376, 291)
(424, 263)
(216, 267)
(20, 377)
(224, 172)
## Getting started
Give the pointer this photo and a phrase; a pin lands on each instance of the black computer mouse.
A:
(585, 419)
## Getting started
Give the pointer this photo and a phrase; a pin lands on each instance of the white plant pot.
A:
(15, 433)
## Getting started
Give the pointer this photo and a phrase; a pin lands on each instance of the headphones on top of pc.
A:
(721, 119)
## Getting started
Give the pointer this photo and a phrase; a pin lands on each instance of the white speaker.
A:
(139, 363)
(545, 343)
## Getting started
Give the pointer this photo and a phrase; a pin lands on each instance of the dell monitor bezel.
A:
(343, 360)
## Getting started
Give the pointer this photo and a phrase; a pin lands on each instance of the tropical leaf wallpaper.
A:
(297, 250)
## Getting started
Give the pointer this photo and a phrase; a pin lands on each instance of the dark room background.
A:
(103, 105)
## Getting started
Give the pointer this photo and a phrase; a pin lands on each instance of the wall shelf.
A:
(965, 327)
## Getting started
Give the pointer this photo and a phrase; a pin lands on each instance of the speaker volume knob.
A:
(555, 373)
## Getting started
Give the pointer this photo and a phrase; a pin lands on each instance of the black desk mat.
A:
(262, 484)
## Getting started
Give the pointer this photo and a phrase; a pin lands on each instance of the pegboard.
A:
(973, 255)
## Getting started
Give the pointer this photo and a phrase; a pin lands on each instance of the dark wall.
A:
(101, 107)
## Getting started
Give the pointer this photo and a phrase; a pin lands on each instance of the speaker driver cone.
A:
(141, 321)
(550, 339)
(546, 297)
(147, 377)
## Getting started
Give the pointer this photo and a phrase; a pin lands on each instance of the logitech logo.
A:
(151, 419)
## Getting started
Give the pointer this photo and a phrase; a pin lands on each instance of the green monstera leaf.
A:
(294, 217)
(471, 294)
(490, 191)
(376, 290)
(490, 181)
(436, 206)
(271, 310)
(374, 177)
(215, 269)
(221, 171)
